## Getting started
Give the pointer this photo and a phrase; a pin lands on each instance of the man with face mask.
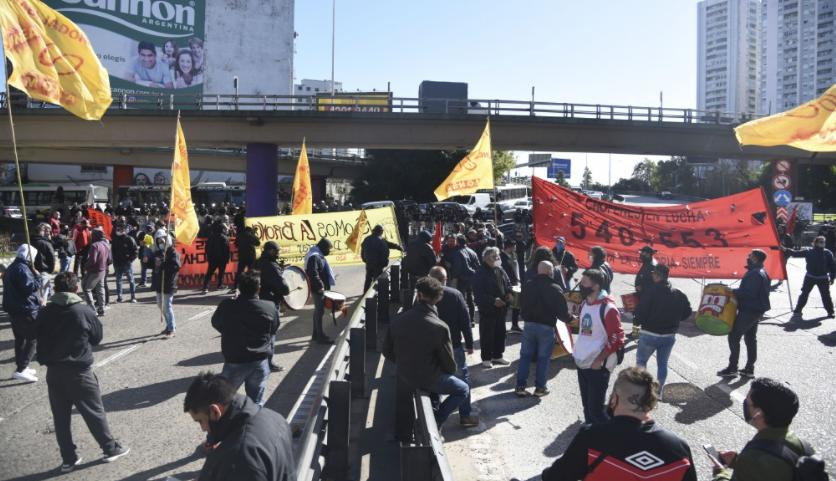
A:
(598, 260)
(492, 290)
(249, 442)
(273, 285)
(771, 455)
(164, 278)
(124, 253)
(610, 451)
(821, 273)
(321, 278)
(566, 263)
(752, 302)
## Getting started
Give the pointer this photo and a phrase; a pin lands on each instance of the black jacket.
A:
(273, 285)
(45, 260)
(418, 342)
(246, 327)
(255, 445)
(565, 258)
(217, 247)
(63, 247)
(375, 252)
(420, 256)
(168, 271)
(453, 311)
(488, 284)
(465, 264)
(542, 302)
(644, 278)
(753, 293)
(510, 267)
(67, 331)
(820, 263)
(246, 242)
(317, 276)
(628, 446)
(661, 309)
(123, 249)
(608, 275)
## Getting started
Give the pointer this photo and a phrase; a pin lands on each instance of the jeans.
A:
(458, 392)
(537, 343)
(127, 270)
(464, 375)
(167, 306)
(663, 345)
(745, 326)
(593, 385)
(93, 286)
(319, 311)
(492, 333)
(824, 290)
(70, 386)
(24, 330)
(253, 375)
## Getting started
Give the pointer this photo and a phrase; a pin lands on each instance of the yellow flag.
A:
(353, 241)
(52, 59)
(474, 172)
(810, 126)
(185, 218)
(302, 194)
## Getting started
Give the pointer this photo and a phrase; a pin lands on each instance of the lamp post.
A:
(333, 41)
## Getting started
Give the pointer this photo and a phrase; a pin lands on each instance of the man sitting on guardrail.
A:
(418, 342)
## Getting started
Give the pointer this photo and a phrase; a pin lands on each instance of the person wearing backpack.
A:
(775, 453)
(598, 346)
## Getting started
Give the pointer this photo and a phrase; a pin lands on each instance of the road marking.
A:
(200, 314)
(685, 361)
(731, 392)
(116, 355)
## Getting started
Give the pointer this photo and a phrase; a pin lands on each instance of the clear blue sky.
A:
(590, 51)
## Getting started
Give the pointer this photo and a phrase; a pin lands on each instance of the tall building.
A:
(727, 55)
(797, 52)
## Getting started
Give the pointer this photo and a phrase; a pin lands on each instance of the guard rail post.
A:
(357, 361)
(396, 283)
(371, 323)
(382, 290)
(416, 463)
(339, 416)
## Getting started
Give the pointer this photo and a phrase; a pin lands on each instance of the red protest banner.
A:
(708, 239)
(193, 264)
(100, 219)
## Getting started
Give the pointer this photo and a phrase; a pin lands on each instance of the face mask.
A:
(819, 246)
(559, 246)
(585, 291)
(747, 413)
(645, 258)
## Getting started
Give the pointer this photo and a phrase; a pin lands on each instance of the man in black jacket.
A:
(246, 242)
(752, 303)
(465, 263)
(420, 256)
(508, 257)
(124, 252)
(67, 330)
(543, 305)
(643, 283)
(46, 259)
(375, 253)
(492, 289)
(566, 263)
(217, 255)
(624, 446)
(321, 279)
(164, 279)
(598, 260)
(273, 285)
(250, 442)
(821, 273)
(247, 325)
(661, 309)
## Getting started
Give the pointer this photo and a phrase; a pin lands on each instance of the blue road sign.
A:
(560, 165)
(782, 198)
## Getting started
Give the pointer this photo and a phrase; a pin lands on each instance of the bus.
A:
(209, 193)
(41, 199)
(508, 194)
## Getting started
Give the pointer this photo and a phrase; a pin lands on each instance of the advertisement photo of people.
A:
(172, 65)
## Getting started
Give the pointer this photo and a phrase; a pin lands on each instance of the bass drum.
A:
(297, 281)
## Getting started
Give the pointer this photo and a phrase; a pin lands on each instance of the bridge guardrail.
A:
(409, 105)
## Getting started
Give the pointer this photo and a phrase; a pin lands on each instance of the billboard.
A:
(560, 165)
(354, 102)
(147, 47)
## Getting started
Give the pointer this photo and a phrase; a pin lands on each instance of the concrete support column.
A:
(122, 175)
(262, 185)
(318, 187)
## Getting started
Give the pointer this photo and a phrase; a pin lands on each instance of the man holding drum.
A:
(322, 279)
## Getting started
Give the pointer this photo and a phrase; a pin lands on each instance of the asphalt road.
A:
(518, 438)
(143, 380)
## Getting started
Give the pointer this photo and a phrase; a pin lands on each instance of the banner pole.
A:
(17, 161)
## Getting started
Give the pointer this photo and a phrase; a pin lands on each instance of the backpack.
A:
(806, 467)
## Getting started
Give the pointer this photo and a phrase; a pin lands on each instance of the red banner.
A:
(709, 239)
(100, 219)
(193, 264)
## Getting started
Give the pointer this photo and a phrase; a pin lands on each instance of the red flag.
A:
(100, 219)
(437, 238)
(792, 221)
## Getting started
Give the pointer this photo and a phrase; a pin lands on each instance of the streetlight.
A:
(333, 36)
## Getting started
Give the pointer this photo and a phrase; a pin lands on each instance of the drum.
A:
(630, 301)
(334, 301)
(564, 345)
(297, 281)
(515, 291)
(718, 309)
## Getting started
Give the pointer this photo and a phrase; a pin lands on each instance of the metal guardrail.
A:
(361, 106)
(425, 460)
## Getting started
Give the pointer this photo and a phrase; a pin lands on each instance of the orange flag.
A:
(302, 194)
(182, 208)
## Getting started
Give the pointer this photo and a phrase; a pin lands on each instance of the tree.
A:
(561, 179)
(643, 172)
(503, 162)
(587, 178)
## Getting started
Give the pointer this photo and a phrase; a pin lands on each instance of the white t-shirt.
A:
(592, 335)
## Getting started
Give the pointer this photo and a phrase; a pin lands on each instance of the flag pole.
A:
(17, 160)
(168, 233)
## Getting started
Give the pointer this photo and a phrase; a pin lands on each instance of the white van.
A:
(471, 201)
(377, 204)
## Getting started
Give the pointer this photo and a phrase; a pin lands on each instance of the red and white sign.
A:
(781, 214)
(781, 182)
(783, 166)
(709, 239)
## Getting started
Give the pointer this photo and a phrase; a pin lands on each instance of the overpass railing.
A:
(361, 104)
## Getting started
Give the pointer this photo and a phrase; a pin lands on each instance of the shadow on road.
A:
(205, 359)
(493, 410)
(561, 442)
(158, 470)
(828, 340)
(145, 396)
(126, 342)
(696, 405)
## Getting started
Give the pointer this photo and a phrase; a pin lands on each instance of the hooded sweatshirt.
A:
(98, 253)
(165, 276)
(67, 331)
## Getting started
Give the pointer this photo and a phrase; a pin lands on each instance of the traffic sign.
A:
(781, 181)
(782, 198)
(783, 166)
(560, 165)
(781, 214)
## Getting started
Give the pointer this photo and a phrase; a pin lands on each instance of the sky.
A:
(612, 52)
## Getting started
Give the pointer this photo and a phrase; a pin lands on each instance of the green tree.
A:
(586, 181)
(561, 179)
(644, 172)
(503, 162)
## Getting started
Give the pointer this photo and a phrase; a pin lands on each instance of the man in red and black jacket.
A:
(630, 446)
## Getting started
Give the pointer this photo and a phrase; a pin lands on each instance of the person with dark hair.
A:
(508, 257)
(247, 325)
(492, 290)
(375, 253)
(606, 452)
(821, 273)
(565, 263)
(164, 278)
(124, 250)
(186, 74)
(96, 264)
(420, 256)
(198, 53)
(64, 248)
(598, 260)
(246, 242)
(771, 455)
(21, 300)
(465, 263)
(273, 285)
(418, 342)
(147, 71)
(321, 279)
(145, 241)
(81, 239)
(600, 336)
(249, 442)
(45, 261)
(67, 331)
(217, 255)
(752, 302)
(169, 53)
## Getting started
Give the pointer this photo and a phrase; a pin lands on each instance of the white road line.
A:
(732, 393)
(685, 361)
(116, 355)
(200, 314)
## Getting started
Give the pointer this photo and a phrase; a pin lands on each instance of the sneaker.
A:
(67, 467)
(142, 285)
(100, 313)
(541, 391)
(469, 421)
(133, 300)
(830, 315)
(205, 291)
(521, 392)
(487, 364)
(30, 371)
(275, 368)
(118, 299)
(164, 332)
(501, 361)
(24, 376)
(515, 330)
(728, 372)
(747, 372)
(117, 452)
